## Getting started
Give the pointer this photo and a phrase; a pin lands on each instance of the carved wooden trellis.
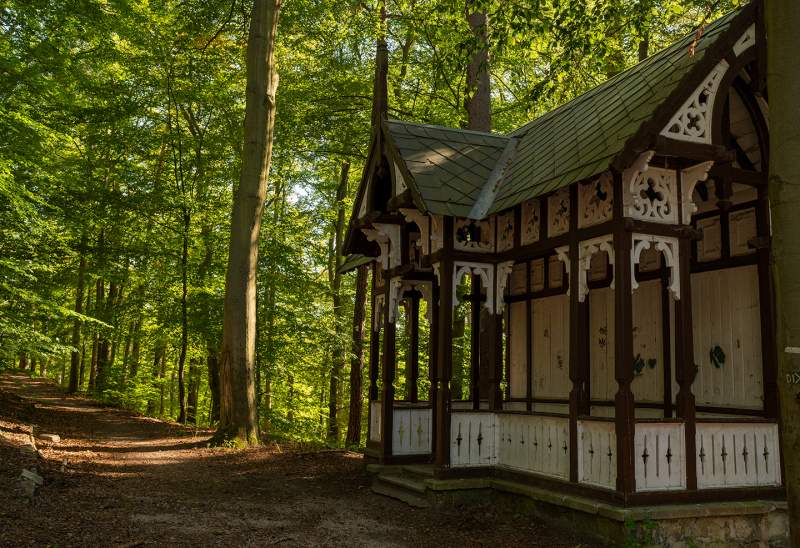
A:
(669, 248)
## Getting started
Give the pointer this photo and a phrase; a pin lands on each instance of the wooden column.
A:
(495, 340)
(374, 342)
(433, 362)
(389, 366)
(623, 350)
(529, 332)
(444, 354)
(475, 342)
(578, 341)
(685, 369)
(766, 300)
(412, 367)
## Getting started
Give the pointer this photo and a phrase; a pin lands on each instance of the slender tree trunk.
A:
(93, 363)
(82, 370)
(184, 317)
(75, 357)
(126, 356)
(136, 347)
(193, 392)
(162, 374)
(338, 355)
(23, 361)
(213, 384)
(238, 417)
(478, 96)
(783, 83)
(357, 357)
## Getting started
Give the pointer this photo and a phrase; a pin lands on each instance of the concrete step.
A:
(405, 482)
(422, 470)
(402, 494)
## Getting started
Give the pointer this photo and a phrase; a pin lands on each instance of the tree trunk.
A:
(126, 356)
(783, 83)
(337, 365)
(184, 317)
(93, 363)
(357, 357)
(193, 392)
(238, 417)
(213, 384)
(75, 358)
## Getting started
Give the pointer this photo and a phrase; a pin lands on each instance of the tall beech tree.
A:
(783, 82)
(238, 416)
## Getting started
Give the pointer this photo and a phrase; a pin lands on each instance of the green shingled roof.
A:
(452, 168)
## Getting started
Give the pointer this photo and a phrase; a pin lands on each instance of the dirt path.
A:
(117, 479)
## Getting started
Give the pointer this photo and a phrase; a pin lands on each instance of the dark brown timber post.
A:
(623, 349)
(445, 347)
(766, 299)
(495, 340)
(374, 342)
(433, 361)
(685, 370)
(578, 340)
(389, 365)
(412, 392)
(475, 342)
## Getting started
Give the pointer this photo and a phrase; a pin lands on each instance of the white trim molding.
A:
(377, 312)
(424, 224)
(690, 177)
(392, 233)
(586, 249)
(692, 122)
(745, 41)
(669, 248)
(486, 273)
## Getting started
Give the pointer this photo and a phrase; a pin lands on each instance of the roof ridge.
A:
(495, 178)
(448, 128)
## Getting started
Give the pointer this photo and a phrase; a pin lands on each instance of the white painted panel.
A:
(534, 443)
(660, 456)
(709, 248)
(597, 453)
(743, 229)
(725, 312)
(648, 335)
(601, 344)
(519, 350)
(551, 347)
(375, 420)
(472, 439)
(737, 455)
(411, 431)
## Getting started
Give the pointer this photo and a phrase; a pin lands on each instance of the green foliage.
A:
(121, 125)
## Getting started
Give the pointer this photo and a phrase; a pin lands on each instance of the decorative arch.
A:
(669, 249)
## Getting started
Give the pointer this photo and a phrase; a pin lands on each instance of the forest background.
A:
(120, 138)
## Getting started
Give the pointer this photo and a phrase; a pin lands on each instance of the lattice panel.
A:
(558, 213)
(653, 196)
(471, 235)
(597, 453)
(737, 455)
(596, 201)
(531, 221)
(505, 231)
(660, 456)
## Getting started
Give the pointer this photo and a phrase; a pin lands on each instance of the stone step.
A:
(405, 482)
(422, 470)
(399, 493)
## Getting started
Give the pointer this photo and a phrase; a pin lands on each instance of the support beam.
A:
(444, 356)
(623, 353)
(766, 299)
(412, 367)
(475, 343)
(389, 367)
(685, 369)
(374, 342)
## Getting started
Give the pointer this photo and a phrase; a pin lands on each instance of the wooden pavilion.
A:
(617, 254)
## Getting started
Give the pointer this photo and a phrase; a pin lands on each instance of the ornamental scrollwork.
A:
(531, 217)
(596, 201)
(558, 213)
(692, 122)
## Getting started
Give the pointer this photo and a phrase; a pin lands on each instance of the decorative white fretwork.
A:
(472, 235)
(531, 215)
(399, 181)
(502, 278)
(562, 254)
(652, 194)
(586, 249)
(382, 240)
(558, 213)
(388, 238)
(377, 312)
(689, 179)
(747, 40)
(486, 273)
(399, 287)
(596, 201)
(692, 122)
(505, 231)
(423, 222)
(669, 248)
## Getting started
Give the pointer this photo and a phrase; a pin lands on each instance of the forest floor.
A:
(119, 479)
